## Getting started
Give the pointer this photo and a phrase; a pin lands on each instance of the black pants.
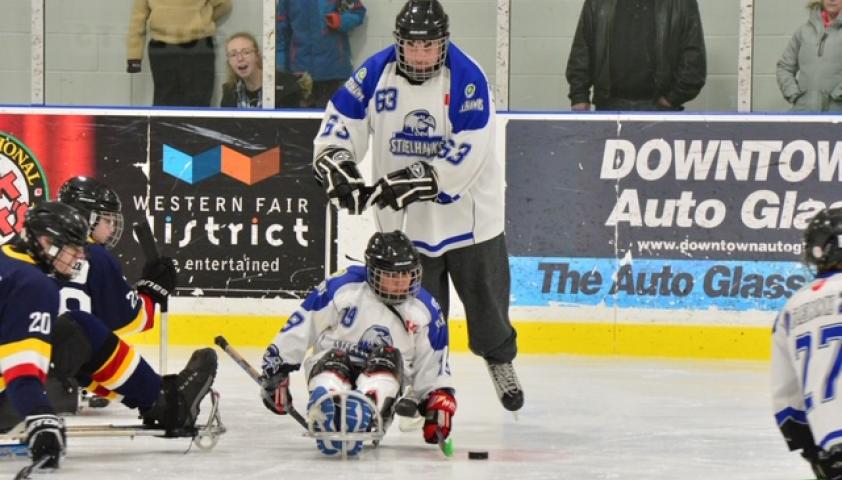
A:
(182, 73)
(480, 274)
(323, 90)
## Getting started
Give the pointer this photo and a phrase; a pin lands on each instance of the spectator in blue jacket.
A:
(312, 36)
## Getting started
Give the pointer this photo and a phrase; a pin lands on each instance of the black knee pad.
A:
(385, 358)
(336, 360)
(71, 348)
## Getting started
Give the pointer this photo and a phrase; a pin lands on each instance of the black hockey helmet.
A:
(392, 255)
(62, 224)
(823, 240)
(424, 21)
(97, 201)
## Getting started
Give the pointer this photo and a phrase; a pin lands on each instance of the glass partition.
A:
(15, 25)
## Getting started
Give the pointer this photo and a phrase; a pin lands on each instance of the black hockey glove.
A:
(158, 279)
(414, 183)
(45, 437)
(827, 465)
(274, 383)
(337, 173)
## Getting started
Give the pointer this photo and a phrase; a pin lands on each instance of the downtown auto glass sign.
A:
(665, 214)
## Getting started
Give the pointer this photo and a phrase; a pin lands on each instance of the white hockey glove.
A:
(45, 437)
(337, 173)
(417, 182)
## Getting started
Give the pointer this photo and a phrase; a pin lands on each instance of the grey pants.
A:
(480, 274)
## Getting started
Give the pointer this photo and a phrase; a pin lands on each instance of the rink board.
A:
(664, 235)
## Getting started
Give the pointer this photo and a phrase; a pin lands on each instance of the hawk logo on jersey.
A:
(373, 337)
(22, 184)
(416, 139)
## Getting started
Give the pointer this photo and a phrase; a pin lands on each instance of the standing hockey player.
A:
(806, 354)
(429, 110)
(373, 329)
(33, 334)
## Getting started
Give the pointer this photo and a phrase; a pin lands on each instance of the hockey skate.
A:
(336, 433)
(177, 406)
(507, 385)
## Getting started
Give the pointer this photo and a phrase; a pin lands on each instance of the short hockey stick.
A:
(245, 365)
(150, 251)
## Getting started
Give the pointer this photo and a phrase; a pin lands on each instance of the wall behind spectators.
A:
(85, 48)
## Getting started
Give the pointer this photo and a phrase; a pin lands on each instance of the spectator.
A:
(244, 86)
(654, 59)
(181, 49)
(810, 69)
(312, 36)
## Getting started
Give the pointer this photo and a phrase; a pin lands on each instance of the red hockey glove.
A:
(333, 20)
(440, 407)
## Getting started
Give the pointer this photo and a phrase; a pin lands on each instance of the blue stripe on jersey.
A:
(788, 413)
(319, 298)
(437, 333)
(443, 243)
(352, 99)
(829, 438)
(469, 100)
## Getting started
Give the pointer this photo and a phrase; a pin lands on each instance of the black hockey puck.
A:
(478, 455)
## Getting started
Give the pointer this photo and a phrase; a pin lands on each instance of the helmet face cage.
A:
(416, 72)
(423, 28)
(394, 286)
(63, 225)
(823, 241)
(393, 267)
(116, 221)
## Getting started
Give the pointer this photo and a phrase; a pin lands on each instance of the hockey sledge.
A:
(205, 436)
(373, 434)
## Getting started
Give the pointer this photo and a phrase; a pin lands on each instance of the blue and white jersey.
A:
(447, 121)
(807, 360)
(344, 312)
(99, 288)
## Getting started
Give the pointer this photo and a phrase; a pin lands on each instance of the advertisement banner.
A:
(37, 154)
(684, 213)
(232, 200)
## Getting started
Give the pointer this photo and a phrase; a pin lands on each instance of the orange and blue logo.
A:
(221, 159)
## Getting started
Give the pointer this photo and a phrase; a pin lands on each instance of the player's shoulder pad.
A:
(322, 295)
(351, 100)
(470, 107)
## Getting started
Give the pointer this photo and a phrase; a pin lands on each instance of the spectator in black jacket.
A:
(654, 59)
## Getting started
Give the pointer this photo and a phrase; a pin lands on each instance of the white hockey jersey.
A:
(344, 312)
(447, 121)
(806, 361)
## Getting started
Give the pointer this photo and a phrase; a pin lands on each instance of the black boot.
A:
(177, 406)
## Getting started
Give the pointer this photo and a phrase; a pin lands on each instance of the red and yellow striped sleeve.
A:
(29, 357)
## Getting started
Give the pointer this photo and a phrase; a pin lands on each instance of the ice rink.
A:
(584, 418)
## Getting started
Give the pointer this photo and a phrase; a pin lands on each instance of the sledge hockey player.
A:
(429, 111)
(373, 329)
(99, 286)
(33, 334)
(806, 354)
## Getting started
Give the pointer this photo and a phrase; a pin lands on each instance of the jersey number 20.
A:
(40, 323)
